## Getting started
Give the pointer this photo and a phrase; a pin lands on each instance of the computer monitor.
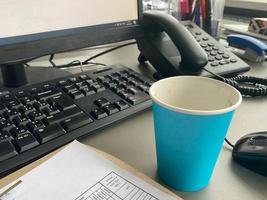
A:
(30, 29)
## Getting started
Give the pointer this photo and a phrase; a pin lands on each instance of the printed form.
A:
(80, 173)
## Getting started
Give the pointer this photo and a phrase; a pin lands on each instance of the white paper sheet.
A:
(79, 173)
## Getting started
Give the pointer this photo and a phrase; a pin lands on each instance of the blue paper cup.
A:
(191, 118)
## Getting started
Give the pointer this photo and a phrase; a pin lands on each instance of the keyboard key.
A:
(133, 90)
(102, 102)
(89, 82)
(123, 94)
(13, 104)
(11, 114)
(98, 113)
(81, 85)
(48, 133)
(5, 135)
(137, 98)
(3, 109)
(62, 83)
(40, 104)
(21, 94)
(76, 94)
(26, 109)
(110, 109)
(34, 115)
(51, 119)
(2, 118)
(47, 94)
(73, 79)
(143, 87)
(21, 120)
(121, 105)
(48, 86)
(62, 102)
(117, 89)
(69, 88)
(6, 125)
(98, 87)
(18, 130)
(25, 141)
(50, 110)
(7, 150)
(87, 91)
(75, 122)
(34, 125)
(27, 100)
(83, 77)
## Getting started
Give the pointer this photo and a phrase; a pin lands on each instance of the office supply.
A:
(208, 21)
(10, 188)
(217, 16)
(78, 172)
(250, 151)
(27, 35)
(38, 118)
(241, 28)
(173, 50)
(255, 50)
(191, 118)
(258, 25)
(132, 141)
(182, 52)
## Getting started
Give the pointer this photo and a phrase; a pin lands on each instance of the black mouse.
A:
(251, 152)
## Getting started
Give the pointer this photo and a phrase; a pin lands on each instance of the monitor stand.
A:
(17, 75)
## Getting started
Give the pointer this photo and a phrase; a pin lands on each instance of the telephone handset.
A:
(182, 48)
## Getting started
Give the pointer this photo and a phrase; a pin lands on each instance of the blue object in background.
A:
(186, 158)
(247, 42)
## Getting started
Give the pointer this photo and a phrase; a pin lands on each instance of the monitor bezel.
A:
(26, 49)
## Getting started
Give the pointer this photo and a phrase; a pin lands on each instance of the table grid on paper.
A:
(115, 187)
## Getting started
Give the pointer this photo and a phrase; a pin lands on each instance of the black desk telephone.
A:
(182, 48)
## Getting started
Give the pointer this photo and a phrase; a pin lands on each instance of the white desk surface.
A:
(132, 141)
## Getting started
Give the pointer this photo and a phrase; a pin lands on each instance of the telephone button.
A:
(211, 59)
(208, 49)
(221, 52)
(233, 60)
(226, 56)
(214, 64)
(210, 44)
(203, 45)
(213, 53)
(218, 57)
(224, 62)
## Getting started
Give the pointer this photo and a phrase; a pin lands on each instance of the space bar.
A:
(58, 117)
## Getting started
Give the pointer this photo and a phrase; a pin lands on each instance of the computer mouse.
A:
(250, 151)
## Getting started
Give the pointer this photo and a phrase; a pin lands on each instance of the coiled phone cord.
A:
(254, 87)
(246, 85)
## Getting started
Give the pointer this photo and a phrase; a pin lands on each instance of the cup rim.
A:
(198, 112)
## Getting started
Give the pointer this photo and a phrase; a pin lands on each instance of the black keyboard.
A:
(40, 118)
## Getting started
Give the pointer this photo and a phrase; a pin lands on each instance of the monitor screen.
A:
(33, 28)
